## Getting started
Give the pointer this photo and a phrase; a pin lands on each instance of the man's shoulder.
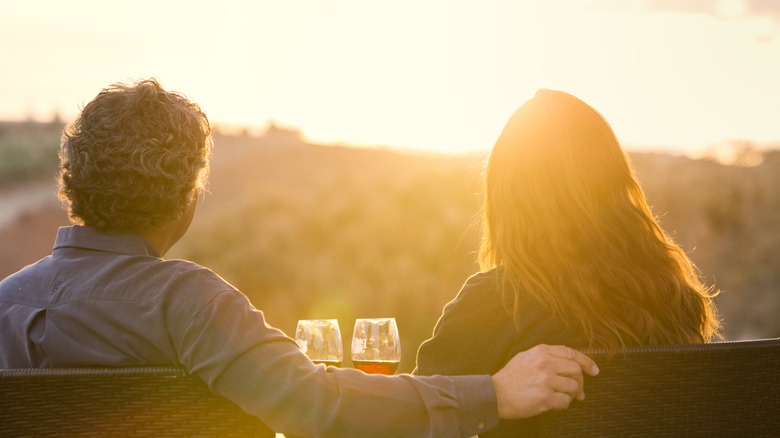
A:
(188, 278)
(18, 281)
(188, 270)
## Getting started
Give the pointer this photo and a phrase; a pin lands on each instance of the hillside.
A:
(310, 231)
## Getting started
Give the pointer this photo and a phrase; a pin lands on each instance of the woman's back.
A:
(571, 252)
(476, 335)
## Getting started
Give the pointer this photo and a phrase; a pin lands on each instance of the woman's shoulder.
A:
(479, 301)
(482, 286)
(471, 333)
(486, 278)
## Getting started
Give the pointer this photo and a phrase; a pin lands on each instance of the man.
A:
(132, 166)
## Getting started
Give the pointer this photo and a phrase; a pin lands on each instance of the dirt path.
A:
(30, 214)
(16, 199)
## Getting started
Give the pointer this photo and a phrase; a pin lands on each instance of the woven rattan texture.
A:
(729, 389)
(711, 390)
(128, 402)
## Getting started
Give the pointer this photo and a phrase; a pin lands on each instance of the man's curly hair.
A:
(134, 158)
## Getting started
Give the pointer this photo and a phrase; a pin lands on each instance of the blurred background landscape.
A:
(310, 230)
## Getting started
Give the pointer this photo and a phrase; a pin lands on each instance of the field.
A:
(323, 231)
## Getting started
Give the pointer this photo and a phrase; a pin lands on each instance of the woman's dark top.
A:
(475, 335)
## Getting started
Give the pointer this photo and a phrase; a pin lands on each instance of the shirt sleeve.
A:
(229, 346)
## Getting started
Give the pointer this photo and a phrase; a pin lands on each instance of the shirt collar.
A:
(78, 236)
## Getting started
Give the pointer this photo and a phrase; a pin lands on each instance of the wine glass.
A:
(320, 339)
(376, 348)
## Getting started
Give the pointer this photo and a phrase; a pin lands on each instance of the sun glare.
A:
(731, 8)
(434, 75)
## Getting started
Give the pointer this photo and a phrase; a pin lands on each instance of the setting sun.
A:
(434, 75)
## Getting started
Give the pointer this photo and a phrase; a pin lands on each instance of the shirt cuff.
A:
(478, 404)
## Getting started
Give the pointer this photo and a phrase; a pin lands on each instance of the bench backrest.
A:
(142, 401)
(729, 389)
(726, 389)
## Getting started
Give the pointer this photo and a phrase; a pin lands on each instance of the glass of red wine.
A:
(376, 348)
(320, 339)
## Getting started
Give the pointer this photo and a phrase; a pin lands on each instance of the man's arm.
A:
(230, 347)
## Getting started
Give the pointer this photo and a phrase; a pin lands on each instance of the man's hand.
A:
(541, 379)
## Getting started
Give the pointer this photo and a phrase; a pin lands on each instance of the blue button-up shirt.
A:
(110, 300)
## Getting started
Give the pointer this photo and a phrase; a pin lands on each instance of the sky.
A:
(677, 75)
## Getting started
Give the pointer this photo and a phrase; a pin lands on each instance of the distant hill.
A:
(309, 230)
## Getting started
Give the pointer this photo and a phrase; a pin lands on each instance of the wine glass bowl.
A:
(376, 347)
(320, 340)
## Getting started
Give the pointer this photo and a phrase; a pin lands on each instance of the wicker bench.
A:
(128, 402)
(728, 389)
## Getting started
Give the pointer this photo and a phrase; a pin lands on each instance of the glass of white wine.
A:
(376, 348)
(320, 340)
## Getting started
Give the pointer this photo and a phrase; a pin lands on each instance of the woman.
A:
(570, 254)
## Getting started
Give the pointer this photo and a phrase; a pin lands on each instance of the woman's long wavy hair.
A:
(134, 158)
(568, 223)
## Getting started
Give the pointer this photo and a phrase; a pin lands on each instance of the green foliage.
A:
(726, 218)
(28, 149)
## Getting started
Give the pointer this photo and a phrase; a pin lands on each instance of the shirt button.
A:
(480, 425)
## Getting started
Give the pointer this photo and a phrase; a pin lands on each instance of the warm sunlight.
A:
(435, 75)
(263, 201)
